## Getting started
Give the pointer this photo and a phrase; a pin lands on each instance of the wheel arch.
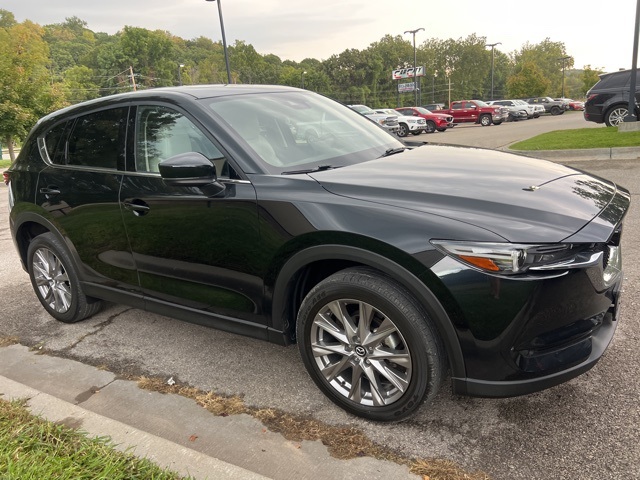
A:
(307, 267)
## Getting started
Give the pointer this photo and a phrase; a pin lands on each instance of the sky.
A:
(597, 33)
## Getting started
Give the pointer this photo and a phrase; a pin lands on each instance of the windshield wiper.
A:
(319, 168)
(393, 151)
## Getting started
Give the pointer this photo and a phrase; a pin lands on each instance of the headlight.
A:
(508, 259)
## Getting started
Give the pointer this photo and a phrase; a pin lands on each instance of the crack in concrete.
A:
(99, 328)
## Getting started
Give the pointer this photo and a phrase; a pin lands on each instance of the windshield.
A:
(423, 110)
(480, 103)
(301, 130)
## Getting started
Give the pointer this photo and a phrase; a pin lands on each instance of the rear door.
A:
(79, 189)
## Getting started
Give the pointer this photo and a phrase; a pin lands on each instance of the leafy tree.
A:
(590, 77)
(78, 85)
(26, 92)
(528, 81)
(547, 56)
(7, 19)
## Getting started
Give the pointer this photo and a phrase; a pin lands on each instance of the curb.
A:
(171, 430)
(617, 153)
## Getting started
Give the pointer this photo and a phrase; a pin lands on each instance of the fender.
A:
(418, 289)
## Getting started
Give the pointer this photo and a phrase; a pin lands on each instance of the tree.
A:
(527, 81)
(26, 92)
(547, 56)
(589, 78)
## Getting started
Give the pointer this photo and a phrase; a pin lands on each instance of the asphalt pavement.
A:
(586, 429)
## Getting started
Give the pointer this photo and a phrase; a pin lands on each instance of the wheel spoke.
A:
(400, 357)
(383, 331)
(339, 310)
(398, 380)
(328, 325)
(332, 370)
(355, 392)
(376, 389)
(322, 349)
(364, 325)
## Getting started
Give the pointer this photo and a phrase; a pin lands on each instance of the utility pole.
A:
(133, 80)
(631, 114)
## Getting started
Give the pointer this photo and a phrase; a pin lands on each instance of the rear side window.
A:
(616, 80)
(98, 139)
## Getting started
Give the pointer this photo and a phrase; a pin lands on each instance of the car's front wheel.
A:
(485, 120)
(616, 116)
(56, 282)
(430, 127)
(369, 346)
(403, 130)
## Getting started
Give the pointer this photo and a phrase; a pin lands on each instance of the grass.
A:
(580, 138)
(5, 164)
(31, 447)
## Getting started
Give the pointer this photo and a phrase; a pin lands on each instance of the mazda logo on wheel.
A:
(360, 351)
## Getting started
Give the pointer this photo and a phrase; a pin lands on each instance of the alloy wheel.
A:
(361, 352)
(51, 280)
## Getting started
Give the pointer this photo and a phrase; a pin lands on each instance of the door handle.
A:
(138, 207)
(50, 191)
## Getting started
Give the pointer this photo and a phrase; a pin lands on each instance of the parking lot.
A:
(584, 429)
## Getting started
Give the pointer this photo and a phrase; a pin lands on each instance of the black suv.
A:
(389, 266)
(608, 100)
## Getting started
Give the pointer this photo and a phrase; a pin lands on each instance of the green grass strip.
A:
(31, 447)
(580, 138)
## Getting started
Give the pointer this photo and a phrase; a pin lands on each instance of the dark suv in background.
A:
(608, 100)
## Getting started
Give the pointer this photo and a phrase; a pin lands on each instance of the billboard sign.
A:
(407, 73)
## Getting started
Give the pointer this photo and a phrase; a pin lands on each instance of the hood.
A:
(519, 198)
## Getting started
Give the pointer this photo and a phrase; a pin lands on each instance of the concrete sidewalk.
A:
(172, 431)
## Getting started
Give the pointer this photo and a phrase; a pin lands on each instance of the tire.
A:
(430, 127)
(485, 120)
(498, 123)
(345, 357)
(444, 129)
(555, 110)
(616, 115)
(55, 281)
(403, 130)
(417, 132)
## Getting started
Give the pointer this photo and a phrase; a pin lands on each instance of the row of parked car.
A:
(435, 117)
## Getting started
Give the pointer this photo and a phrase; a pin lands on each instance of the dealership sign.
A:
(406, 87)
(408, 73)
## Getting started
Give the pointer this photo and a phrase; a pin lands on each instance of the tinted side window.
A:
(162, 132)
(616, 80)
(55, 140)
(457, 106)
(98, 139)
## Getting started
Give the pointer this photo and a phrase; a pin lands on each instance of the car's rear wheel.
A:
(403, 130)
(56, 282)
(369, 346)
(485, 120)
(555, 110)
(430, 127)
(616, 116)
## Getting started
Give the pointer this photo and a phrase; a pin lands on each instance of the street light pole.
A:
(492, 45)
(631, 113)
(224, 40)
(416, 79)
(302, 78)
(563, 60)
(180, 66)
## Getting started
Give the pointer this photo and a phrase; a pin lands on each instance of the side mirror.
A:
(190, 169)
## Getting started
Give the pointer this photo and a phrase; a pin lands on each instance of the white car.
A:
(518, 109)
(406, 124)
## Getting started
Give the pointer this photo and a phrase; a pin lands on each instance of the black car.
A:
(389, 266)
(608, 100)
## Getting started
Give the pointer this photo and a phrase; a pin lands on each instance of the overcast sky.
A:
(597, 33)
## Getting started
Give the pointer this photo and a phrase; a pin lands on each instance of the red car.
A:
(435, 121)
